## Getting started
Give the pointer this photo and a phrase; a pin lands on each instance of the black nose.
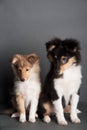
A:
(22, 79)
(57, 71)
(57, 74)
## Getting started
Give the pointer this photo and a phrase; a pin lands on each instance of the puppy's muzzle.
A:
(22, 79)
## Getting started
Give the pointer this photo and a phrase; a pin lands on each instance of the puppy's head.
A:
(23, 64)
(63, 55)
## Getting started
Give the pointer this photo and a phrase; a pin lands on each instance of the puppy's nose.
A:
(22, 79)
(58, 72)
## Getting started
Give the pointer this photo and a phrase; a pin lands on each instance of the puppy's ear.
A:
(50, 45)
(76, 46)
(14, 59)
(50, 57)
(33, 58)
(71, 45)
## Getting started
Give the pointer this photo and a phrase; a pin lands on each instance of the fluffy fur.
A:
(63, 81)
(27, 85)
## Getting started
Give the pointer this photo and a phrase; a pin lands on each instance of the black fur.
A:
(55, 41)
(73, 48)
(67, 48)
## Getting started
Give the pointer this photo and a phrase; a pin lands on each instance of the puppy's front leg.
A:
(59, 112)
(21, 108)
(33, 109)
(74, 103)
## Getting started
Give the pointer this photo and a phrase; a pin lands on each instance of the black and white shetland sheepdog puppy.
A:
(63, 81)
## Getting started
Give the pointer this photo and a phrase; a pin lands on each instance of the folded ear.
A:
(76, 46)
(15, 58)
(50, 45)
(50, 58)
(33, 58)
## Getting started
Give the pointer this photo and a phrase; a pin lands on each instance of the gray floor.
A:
(7, 123)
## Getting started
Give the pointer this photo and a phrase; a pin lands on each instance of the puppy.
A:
(27, 85)
(63, 81)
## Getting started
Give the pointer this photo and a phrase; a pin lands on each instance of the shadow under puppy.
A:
(27, 85)
(61, 90)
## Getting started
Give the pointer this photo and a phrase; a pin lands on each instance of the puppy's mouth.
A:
(58, 74)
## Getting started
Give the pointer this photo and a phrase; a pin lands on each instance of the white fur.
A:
(16, 114)
(22, 118)
(30, 89)
(47, 119)
(67, 86)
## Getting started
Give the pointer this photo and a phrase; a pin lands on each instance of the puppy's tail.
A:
(7, 111)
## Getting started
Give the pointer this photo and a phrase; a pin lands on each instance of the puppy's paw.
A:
(78, 111)
(36, 115)
(22, 118)
(32, 120)
(47, 119)
(14, 115)
(63, 122)
(76, 120)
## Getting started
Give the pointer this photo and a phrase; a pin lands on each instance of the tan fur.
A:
(67, 109)
(48, 108)
(20, 104)
(52, 47)
(67, 65)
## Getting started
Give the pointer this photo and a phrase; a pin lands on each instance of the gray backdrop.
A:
(25, 26)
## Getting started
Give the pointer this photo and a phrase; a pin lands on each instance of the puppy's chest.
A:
(70, 82)
(27, 89)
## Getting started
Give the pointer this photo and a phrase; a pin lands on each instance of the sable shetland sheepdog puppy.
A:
(63, 81)
(27, 85)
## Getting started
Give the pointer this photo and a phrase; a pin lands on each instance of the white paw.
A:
(76, 120)
(63, 122)
(47, 119)
(78, 111)
(36, 115)
(16, 114)
(22, 118)
(33, 120)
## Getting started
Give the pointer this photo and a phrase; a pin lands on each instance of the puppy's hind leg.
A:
(48, 111)
(47, 119)
(16, 114)
(67, 109)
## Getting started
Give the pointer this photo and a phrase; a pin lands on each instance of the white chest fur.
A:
(30, 89)
(70, 83)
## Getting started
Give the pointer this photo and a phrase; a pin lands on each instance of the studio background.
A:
(25, 27)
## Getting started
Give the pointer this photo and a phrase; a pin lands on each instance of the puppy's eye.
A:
(55, 56)
(27, 69)
(16, 66)
(64, 59)
(19, 69)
